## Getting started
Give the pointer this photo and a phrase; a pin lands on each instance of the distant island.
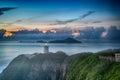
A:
(59, 66)
(67, 40)
(31, 41)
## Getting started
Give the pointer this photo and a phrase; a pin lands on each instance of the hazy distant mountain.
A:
(59, 66)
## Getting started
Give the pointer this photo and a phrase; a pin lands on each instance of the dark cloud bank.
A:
(87, 34)
(4, 9)
(2, 32)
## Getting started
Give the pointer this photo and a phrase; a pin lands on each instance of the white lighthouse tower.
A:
(46, 48)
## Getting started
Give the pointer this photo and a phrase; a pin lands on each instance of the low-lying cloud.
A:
(91, 33)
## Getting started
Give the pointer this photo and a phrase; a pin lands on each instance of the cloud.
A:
(97, 21)
(87, 14)
(2, 32)
(91, 33)
(10, 23)
(72, 20)
(2, 10)
(36, 34)
(17, 21)
(113, 33)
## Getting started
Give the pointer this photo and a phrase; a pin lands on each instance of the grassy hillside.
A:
(90, 67)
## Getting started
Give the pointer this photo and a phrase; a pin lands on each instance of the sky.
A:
(53, 14)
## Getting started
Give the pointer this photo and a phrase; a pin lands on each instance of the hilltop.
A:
(59, 66)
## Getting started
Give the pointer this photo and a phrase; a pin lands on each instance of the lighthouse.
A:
(46, 48)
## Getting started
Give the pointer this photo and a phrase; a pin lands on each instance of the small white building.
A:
(111, 56)
(117, 57)
(46, 48)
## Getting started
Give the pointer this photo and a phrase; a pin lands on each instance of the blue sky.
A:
(44, 14)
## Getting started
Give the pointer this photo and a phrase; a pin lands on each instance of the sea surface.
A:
(10, 50)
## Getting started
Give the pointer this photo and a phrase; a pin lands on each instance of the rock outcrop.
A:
(36, 67)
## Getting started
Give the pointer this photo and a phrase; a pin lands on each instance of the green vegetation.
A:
(90, 67)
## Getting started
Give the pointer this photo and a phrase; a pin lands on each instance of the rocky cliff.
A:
(36, 67)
